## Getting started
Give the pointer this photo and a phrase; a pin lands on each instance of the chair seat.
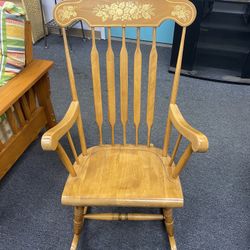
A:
(135, 176)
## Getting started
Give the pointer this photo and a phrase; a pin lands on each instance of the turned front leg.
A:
(78, 220)
(78, 223)
(169, 223)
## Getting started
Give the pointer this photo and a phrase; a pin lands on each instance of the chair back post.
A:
(69, 67)
(177, 74)
(174, 92)
(74, 92)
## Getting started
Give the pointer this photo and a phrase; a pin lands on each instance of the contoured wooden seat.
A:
(125, 174)
(119, 175)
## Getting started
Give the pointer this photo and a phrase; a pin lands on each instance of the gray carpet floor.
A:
(216, 185)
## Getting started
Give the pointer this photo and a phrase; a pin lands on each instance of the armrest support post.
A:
(65, 160)
(177, 144)
(183, 160)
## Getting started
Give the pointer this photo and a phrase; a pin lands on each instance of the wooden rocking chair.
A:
(125, 174)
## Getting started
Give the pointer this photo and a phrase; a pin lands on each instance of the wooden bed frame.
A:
(25, 100)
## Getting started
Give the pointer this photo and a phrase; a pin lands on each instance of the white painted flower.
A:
(67, 12)
(181, 12)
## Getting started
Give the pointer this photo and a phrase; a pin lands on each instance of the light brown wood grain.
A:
(159, 11)
(69, 67)
(123, 176)
(137, 86)
(65, 160)
(28, 43)
(1, 146)
(22, 82)
(19, 113)
(95, 66)
(177, 74)
(176, 147)
(12, 120)
(152, 75)
(129, 216)
(110, 61)
(128, 175)
(79, 213)
(81, 134)
(20, 141)
(167, 136)
(124, 85)
(42, 90)
(78, 219)
(75, 242)
(72, 146)
(31, 100)
(26, 118)
(174, 92)
(74, 92)
(199, 141)
(169, 224)
(51, 138)
(25, 107)
(183, 160)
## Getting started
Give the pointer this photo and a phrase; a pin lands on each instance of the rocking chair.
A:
(128, 175)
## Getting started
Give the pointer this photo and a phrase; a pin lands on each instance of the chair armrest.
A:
(51, 138)
(198, 140)
(22, 82)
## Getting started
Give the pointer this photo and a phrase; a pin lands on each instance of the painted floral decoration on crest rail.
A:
(181, 12)
(124, 11)
(67, 12)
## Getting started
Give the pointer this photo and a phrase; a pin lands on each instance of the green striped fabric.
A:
(12, 45)
(12, 56)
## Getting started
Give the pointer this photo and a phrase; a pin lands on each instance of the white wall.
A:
(48, 6)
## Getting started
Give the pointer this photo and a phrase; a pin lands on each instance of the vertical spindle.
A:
(110, 61)
(152, 76)
(137, 86)
(124, 84)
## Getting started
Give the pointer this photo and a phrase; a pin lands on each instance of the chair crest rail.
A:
(125, 13)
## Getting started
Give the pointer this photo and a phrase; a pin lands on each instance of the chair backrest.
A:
(139, 13)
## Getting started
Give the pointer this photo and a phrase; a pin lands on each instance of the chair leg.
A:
(78, 223)
(169, 223)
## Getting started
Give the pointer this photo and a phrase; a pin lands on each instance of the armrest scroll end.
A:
(201, 145)
(48, 144)
(197, 139)
(51, 138)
